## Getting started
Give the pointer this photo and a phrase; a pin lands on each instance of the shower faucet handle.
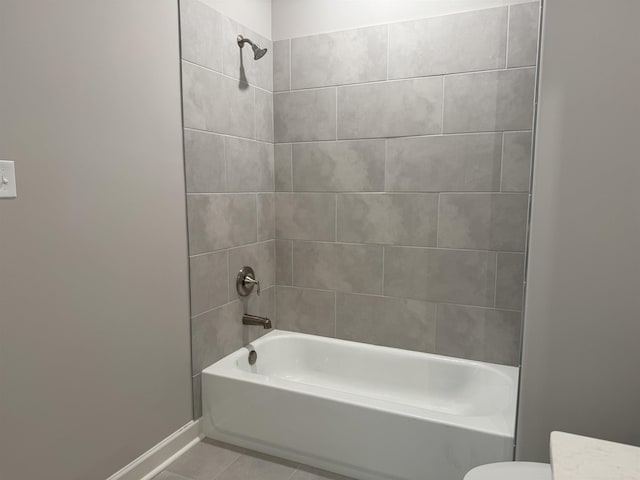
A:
(245, 281)
(252, 281)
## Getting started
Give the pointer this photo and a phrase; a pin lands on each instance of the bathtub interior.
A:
(433, 382)
(473, 395)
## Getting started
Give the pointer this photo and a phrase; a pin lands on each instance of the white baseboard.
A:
(152, 462)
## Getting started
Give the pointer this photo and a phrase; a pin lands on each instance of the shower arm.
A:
(241, 41)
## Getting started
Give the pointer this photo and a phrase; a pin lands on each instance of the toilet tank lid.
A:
(511, 471)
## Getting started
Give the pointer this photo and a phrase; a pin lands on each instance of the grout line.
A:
(235, 247)
(506, 50)
(228, 274)
(442, 118)
(435, 326)
(291, 244)
(335, 314)
(257, 220)
(227, 135)
(403, 21)
(405, 79)
(438, 221)
(495, 284)
(372, 192)
(225, 75)
(219, 474)
(255, 117)
(294, 471)
(501, 161)
(385, 174)
(291, 165)
(226, 168)
(336, 218)
(388, 47)
(388, 245)
(290, 63)
(336, 113)
(377, 295)
(371, 139)
(383, 249)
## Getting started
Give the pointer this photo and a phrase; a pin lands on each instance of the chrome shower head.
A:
(258, 52)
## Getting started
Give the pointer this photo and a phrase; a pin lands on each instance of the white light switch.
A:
(7, 179)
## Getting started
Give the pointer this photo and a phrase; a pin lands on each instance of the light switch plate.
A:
(7, 179)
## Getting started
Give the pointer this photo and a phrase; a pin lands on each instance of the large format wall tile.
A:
(306, 216)
(205, 168)
(444, 163)
(396, 218)
(264, 116)
(202, 109)
(485, 221)
(259, 256)
(241, 108)
(523, 34)
(201, 34)
(216, 334)
(478, 333)
(230, 111)
(516, 162)
(392, 322)
(281, 65)
(305, 115)
(449, 43)
(489, 101)
(220, 221)
(305, 310)
(208, 281)
(338, 266)
(266, 216)
(510, 280)
(349, 181)
(339, 166)
(284, 262)
(390, 109)
(249, 165)
(456, 276)
(349, 56)
(282, 167)
(239, 63)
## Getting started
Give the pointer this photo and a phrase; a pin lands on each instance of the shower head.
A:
(258, 52)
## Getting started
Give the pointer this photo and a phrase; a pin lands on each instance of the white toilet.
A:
(511, 471)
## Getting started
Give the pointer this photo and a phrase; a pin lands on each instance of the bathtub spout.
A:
(256, 320)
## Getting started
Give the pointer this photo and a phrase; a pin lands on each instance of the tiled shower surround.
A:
(228, 143)
(401, 174)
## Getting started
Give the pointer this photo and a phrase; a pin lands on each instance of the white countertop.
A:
(574, 457)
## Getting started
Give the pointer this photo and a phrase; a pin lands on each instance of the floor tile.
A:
(258, 467)
(204, 461)
(165, 475)
(310, 473)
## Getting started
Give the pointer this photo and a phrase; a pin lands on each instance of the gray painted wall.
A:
(402, 173)
(582, 321)
(94, 312)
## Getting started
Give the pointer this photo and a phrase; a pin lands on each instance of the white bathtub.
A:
(361, 410)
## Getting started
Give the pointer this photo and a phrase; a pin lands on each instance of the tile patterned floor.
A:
(209, 460)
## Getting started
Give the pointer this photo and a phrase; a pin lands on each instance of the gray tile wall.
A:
(401, 169)
(381, 193)
(230, 175)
